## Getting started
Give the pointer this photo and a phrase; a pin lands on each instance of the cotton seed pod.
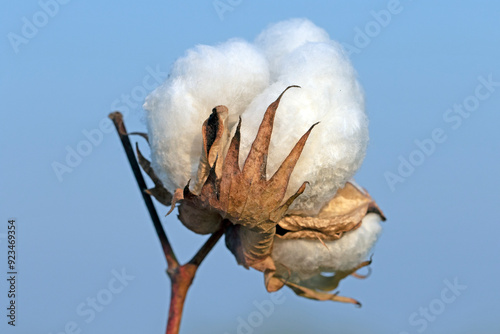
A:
(290, 249)
(279, 188)
(243, 196)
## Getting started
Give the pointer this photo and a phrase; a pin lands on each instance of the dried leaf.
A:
(159, 192)
(215, 135)
(272, 283)
(245, 197)
(315, 287)
(342, 214)
(250, 247)
(322, 296)
(178, 196)
(199, 221)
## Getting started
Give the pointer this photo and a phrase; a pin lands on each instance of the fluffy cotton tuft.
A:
(247, 78)
(307, 258)
(330, 95)
(230, 74)
(281, 38)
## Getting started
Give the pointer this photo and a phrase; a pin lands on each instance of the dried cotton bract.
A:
(271, 168)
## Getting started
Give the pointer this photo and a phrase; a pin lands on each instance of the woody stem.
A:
(181, 276)
(117, 119)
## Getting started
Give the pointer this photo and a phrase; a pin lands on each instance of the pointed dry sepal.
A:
(215, 135)
(256, 161)
(244, 197)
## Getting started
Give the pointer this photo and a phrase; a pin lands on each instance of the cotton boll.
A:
(282, 38)
(306, 258)
(230, 74)
(330, 95)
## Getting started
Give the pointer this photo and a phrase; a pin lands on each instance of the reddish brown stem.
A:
(181, 278)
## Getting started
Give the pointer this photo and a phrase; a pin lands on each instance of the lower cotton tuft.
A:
(307, 258)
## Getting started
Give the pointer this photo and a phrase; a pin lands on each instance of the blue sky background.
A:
(76, 232)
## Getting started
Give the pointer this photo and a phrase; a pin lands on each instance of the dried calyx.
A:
(245, 197)
(253, 208)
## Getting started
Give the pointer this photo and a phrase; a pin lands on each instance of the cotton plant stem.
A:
(117, 119)
(181, 276)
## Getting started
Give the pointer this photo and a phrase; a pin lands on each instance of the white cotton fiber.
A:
(281, 38)
(330, 95)
(230, 74)
(306, 258)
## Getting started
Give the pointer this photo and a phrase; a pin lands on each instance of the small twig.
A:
(117, 119)
(207, 247)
